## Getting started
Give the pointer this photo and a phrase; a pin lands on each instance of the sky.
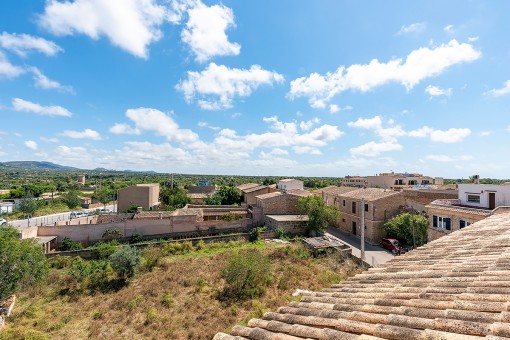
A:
(293, 88)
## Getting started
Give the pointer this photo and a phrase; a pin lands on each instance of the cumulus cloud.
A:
(22, 44)
(452, 135)
(76, 153)
(49, 140)
(389, 133)
(7, 69)
(372, 148)
(305, 126)
(447, 159)
(448, 29)
(85, 134)
(473, 39)
(485, 133)
(333, 108)
(30, 144)
(500, 92)
(435, 91)
(205, 32)
(147, 119)
(129, 24)
(420, 64)
(215, 87)
(416, 27)
(206, 125)
(19, 104)
(306, 150)
(44, 82)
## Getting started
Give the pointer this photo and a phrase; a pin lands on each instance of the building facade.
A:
(355, 181)
(139, 195)
(400, 181)
(289, 184)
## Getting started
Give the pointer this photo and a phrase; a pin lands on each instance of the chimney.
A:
(476, 179)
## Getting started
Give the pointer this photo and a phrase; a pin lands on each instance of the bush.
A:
(151, 256)
(125, 262)
(200, 245)
(247, 275)
(280, 233)
(104, 250)
(92, 275)
(167, 300)
(231, 217)
(135, 238)
(187, 247)
(112, 234)
(69, 244)
(173, 248)
(21, 262)
(59, 262)
(255, 233)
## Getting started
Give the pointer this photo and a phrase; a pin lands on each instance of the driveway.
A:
(374, 255)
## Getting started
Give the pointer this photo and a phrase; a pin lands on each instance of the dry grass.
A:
(177, 300)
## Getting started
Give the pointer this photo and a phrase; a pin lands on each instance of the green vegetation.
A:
(125, 262)
(231, 216)
(403, 226)
(71, 199)
(174, 198)
(226, 195)
(22, 262)
(319, 215)
(69, 244)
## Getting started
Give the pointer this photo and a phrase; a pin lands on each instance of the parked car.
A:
(78, 214)
(103, 211)
(2, 221)
(392, 245)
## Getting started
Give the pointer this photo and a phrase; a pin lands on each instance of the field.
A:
(181, 298)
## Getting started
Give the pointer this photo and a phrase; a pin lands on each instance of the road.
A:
(374, 255)
(48, 219)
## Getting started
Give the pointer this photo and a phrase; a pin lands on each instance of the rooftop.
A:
(288, 218)
(257, 188)
(270, 195)
(288, 180)
(299, 192)
(370, 194)
(456, 287)
(246, 186)
(334, 190)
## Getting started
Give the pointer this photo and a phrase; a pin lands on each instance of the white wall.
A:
(290, 185)
(502, 194)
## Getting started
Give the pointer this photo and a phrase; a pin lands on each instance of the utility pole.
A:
(172, 181)
(362, 208)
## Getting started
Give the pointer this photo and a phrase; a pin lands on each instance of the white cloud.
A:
(75, 153)
(124, 129)
(217, 85)
(21, 44)
(422, 132)
(147, 119)
(446, 159)
(435, 91)
(306, 150)
(44, 82)
(30, 144)
(448, 29)
(452, 135)
(49, 140)
(85, 134)
(500, 92)
(420, 64)
(333, 108)
(390, 133)
(305, 126)
(205, 32)
(129, 24)
(473, 39)
(26, 106)
(236, 114)
(372, 148)
(7, 69)
(485, 133)
(206, 125)
(416, 27)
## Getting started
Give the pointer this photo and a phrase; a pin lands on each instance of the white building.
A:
(487, 196)
(289, 184)
(6, 207)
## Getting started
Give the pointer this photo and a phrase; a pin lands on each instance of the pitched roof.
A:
(246, 186)
(334, 190)
(299, 192)
(370, 194)
(288, 180)
(257, 188)
(456, 287)
(269, 195)
(452, 208)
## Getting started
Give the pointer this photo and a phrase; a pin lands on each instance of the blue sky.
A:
(313, 88)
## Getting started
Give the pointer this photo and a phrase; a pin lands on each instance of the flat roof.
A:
(246, 186)
(257, 188)
(269, 195)
(288, 218)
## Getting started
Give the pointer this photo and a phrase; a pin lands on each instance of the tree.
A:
(28, 205)
(213, 199)
(21, 262)
(319, 215)
(175, 198)
(71, 199)
(104, 195)
(112, 234)
(229, 195)
(125, 261)
(404, 225)
(69, 244)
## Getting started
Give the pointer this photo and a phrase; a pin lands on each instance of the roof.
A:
(452, 208)
(334, 190)
(299, 192)
(269, 195)
(288, 218)
(253, 189)
(456, 287)
(201, 189)
(44, 239)
(289, 180)
(246, 186)
(197, 196)
(370, 194)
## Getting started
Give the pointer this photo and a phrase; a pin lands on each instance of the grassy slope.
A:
(193, 281)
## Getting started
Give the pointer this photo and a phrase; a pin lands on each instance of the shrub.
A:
(21, 262)
(135, 238)
(280, 233)
(187, 247)
(104, 250)
(151, 256)
(247, 275)
(231, 217)
(69, 244)
(112, 234)
(200, 245)
(125, 261)
(172, 248)
(167, 300)
(92, 275)
(59, 262)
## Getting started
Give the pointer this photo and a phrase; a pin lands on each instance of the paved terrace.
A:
(456, 287)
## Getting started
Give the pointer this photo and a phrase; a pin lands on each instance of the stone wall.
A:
(284, 204)
(468, 216)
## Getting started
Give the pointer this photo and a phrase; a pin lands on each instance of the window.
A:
(462, 224)
(442, 222)
(473, 198)
(353, 207)
(344, 203)
(366, 207)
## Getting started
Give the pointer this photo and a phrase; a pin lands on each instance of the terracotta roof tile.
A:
(457, 287)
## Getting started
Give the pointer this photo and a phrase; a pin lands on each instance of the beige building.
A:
(379, 206)
(400, 181)
(197, 193)
(250, 191)
(276, 203)
(289, 184)
(355, 181)
(140, 195)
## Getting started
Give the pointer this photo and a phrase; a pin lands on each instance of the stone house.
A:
(400, 181)
(197, 193)
(276, 203)
(140, 195)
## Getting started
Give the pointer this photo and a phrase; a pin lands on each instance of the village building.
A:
(250, 191)
(400, 181)
(197, 193)
(276, 203)
(355, 181)
(139, 195)
(289, 184)
(379, 205)
(452, 288)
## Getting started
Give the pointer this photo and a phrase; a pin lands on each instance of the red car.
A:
(392, 245)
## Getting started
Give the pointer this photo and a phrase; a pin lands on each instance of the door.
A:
(492, 200)
(354, 228)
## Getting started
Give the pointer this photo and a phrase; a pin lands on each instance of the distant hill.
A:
(34, 165)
